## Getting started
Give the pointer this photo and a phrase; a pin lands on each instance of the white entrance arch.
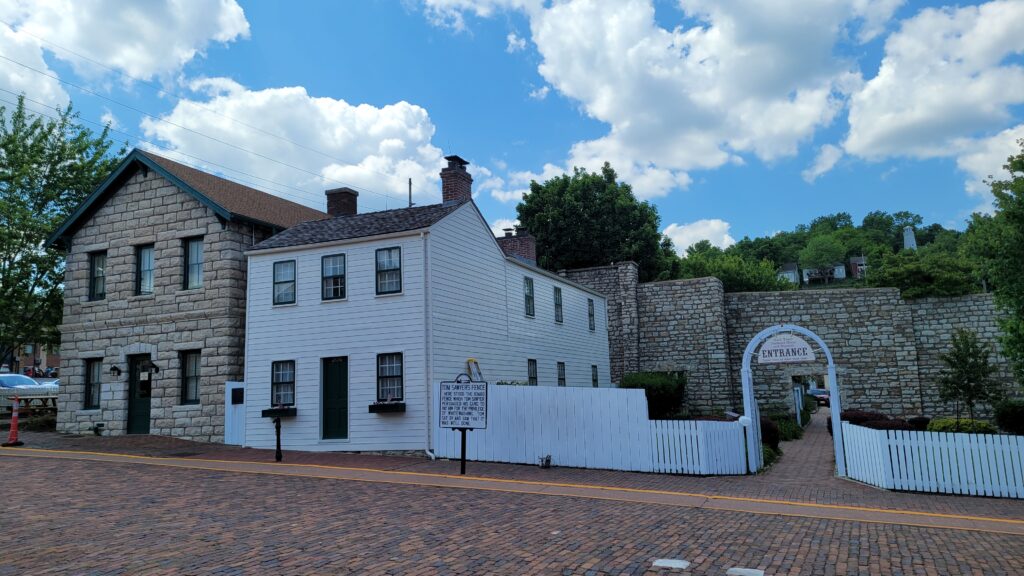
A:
(754, 457)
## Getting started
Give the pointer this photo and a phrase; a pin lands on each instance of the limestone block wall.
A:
(683, 328)
(150, 210)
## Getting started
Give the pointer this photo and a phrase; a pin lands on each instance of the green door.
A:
(335, 397)
(140, 388)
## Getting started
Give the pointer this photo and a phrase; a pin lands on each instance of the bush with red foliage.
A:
(894, 424)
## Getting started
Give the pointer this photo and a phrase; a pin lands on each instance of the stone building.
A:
(154, 297)
(887, 349)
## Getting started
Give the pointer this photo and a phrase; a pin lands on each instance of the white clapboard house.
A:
(352, 320)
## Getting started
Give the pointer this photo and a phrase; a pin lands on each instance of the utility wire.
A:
(196, 132)
(179, 98)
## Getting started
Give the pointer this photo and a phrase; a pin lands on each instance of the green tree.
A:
(967, 378)
(47, 167)
(590, 219)
(821, 254)
(737, 273)
(1003, 250)
(928, 271)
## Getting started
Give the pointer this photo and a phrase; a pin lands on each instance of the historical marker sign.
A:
(785, 348)
(464, 405)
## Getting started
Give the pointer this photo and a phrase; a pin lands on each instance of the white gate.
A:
(234, 413)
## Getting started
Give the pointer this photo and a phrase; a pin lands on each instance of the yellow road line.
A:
(156, 461)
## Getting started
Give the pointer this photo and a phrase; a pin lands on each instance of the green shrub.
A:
(965, 425)
(919, 423)
(1010, 416)
(770, 434)
(788, 428)
(664, 391)
(769, 455)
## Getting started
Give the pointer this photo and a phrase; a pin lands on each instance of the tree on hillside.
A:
(821, 255)
(47, 167)
(1001, 247)
(591, 219)
(737, 273)
(928, 271)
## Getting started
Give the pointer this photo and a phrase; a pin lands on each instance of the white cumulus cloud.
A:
(498, 226)
(826, 159)
(515, 43)
(713, 230)
(372, 149)
(986, 158)
(540, 93)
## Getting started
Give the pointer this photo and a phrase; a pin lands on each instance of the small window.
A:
(193, 263)
(531, 372)
(144, 270)
(190, 377)
(528, 295)
(332, 272)
(593, 375)
(558, 304)
(389, 377)
(282, 383)
(97, 276)
(284, 282)
(93, 374)
(590, 313)
(561, 373)
(389, 271)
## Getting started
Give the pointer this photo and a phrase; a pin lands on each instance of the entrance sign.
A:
(464, 405)
(785, 348)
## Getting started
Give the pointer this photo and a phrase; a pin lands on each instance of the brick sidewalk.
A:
(803, 474)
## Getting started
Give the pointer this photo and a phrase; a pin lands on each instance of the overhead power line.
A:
(187, 129)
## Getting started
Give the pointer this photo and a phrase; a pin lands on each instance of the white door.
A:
(234, 413)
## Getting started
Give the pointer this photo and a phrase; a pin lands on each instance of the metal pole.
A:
(462, 465)
(277, 432)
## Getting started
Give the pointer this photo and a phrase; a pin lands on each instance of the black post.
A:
(463, 462)
(277, 432)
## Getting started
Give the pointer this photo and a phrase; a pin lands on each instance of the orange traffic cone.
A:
(12, 438)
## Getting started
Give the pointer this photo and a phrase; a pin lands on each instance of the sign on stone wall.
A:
(785, 348)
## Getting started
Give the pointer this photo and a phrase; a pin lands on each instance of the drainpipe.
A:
(427, 348)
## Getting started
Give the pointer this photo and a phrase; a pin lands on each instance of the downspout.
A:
(427, 344)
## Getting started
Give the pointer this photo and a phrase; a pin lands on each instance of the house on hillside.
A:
(836, 272)
(154, 297)
(858, 266)
(352, 320)
(790, 272)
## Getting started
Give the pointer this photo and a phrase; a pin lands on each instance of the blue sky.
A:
(735, 118)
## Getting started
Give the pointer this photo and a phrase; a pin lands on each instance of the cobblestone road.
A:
(76, 517)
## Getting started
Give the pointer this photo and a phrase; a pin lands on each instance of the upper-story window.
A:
(193, 263)
(332, 272)
(97, 276)
(282, 383)
(558, 304)
(590, 313)
(389, 377)
(528, 295)
(144, 269)
(531, 372)
(561, 373)
(284, 282)
(389, 270)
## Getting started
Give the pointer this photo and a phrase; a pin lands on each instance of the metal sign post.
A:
(463, 408)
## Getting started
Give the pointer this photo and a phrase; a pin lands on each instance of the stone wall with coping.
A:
(150, 210)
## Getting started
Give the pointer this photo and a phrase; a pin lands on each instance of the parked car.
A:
(821, 395)
(16, 381)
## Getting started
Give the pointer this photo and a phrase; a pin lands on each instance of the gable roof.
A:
(359, 226)
(228, 200)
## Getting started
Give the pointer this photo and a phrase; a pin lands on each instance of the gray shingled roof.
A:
(359, 226)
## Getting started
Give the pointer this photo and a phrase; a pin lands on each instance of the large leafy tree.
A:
(821, 255)
(47, 167)
(967, 379)
(928, 271)
(737, 272)
(998, 242)
(591, 219)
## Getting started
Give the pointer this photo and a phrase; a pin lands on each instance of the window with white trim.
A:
(332, 272)
(144, 269)
(284, 282)
(282, 383)
(389, 271)
(389, 377)
(193, 262)
(97, 276)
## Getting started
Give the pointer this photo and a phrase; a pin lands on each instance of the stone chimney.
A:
(456, 183)
(341, 201)
(520, 245)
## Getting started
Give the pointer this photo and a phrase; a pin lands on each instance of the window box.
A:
(386, 407)
(279, 412)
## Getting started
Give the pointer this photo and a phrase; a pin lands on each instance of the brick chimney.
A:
(456, 183)
(341, 201)
(520, 245)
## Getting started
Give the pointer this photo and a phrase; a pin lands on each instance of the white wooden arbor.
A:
(753, 429)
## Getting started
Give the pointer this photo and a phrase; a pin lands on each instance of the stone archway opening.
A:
(785, 344)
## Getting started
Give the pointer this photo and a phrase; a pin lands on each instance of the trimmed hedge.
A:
(894, 424)
(1010, 416)
(965, 425)
(919, 423)
(664, 391)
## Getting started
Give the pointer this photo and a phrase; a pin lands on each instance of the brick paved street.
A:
(101, 518)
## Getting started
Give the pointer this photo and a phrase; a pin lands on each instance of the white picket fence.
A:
(976, 464)
(593, 428)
